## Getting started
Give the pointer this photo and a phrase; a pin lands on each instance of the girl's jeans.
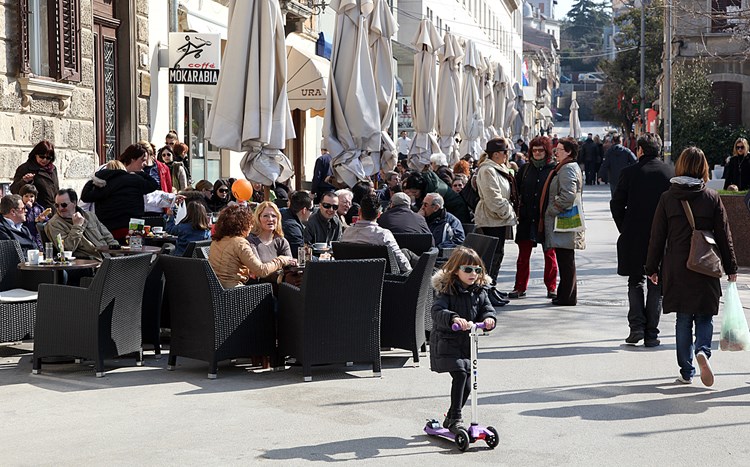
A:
(704, 329)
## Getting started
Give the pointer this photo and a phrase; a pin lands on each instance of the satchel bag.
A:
(704, 255)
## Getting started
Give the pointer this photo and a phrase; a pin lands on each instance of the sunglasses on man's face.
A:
(329, 206)
(62, 205)
(469, 269)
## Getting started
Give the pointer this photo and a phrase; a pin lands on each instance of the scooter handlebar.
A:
(457, 327)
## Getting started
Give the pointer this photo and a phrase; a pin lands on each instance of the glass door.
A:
(205, 159)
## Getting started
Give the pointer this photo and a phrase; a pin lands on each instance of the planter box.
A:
(739, 222)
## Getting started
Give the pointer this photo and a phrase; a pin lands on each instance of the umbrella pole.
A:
(266, 193)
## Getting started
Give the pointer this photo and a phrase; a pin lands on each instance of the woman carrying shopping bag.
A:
(692, 295)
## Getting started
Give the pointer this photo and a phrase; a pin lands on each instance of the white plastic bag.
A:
(735, 335)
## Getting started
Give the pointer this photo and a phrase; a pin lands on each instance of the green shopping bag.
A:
(734, 332)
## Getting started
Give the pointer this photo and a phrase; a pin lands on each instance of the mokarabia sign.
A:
(194, 58)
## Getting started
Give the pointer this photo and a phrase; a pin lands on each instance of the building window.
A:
(51, 38)
(728, 98)
(725, 14)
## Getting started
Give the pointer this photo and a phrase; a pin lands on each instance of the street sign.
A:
(194, 58)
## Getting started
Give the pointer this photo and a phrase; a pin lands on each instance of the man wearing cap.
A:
(399, 218)
(321, 171)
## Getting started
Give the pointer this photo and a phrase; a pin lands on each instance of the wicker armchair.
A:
(17, 305)
(319, 325)
(202, 252)
(417, 243)
(402, 321)
(468, 228)
(212, 324)
(192, 246)
(348, 250)
(484, 245)
(97, 322)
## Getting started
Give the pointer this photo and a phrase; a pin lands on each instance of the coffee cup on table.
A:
(320, 246)
(68, 254)
(32, 256)
(157, 230)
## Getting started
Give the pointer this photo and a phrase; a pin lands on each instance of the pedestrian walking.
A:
(737, 170)
(633, 205)
(616, 158)
(693, 296)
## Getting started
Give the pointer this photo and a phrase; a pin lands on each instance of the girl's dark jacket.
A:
(450, 350)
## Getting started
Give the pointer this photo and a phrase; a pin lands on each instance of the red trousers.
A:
(522, 267)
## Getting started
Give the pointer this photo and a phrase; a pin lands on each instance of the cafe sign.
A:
(194, 58)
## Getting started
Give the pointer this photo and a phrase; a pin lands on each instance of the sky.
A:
(562, 8)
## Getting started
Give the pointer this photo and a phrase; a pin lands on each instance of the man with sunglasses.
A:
(13, 215)
(324, 225)
(81, 231)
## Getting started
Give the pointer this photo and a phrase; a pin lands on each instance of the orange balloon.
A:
(242, 190)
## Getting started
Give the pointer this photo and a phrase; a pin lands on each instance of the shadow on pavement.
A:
(348, 450)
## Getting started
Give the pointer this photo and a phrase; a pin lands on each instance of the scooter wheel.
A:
(494, 439)
(462, 440)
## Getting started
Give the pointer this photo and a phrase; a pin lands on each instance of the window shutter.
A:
(68, 47)
(23, 13)
(721, 10)
(728, 97)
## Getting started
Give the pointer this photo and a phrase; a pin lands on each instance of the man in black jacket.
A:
(399, 218)
(591, 159)
(12, 216)
(323, 225)
(633, 206)
(617, 158)
(292, 218)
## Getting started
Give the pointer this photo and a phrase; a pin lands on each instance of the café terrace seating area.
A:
(347, 312)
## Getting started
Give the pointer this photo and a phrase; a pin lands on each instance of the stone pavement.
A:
(557, 382)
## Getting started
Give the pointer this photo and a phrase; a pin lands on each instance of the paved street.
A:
(557, 382)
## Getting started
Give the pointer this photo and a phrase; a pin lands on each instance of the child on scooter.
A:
(461, 298)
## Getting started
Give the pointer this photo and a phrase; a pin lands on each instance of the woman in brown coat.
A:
(693, 296)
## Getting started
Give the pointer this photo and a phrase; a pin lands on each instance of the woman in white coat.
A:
(495, 212)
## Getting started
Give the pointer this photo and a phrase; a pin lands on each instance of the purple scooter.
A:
(464, 437)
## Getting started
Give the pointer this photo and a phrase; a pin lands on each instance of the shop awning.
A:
(205, 17)
(307, 75)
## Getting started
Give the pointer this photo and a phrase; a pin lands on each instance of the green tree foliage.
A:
(694, 115)
(582, 35)
(619, 98)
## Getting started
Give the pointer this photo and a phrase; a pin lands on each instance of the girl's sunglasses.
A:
(469, 269)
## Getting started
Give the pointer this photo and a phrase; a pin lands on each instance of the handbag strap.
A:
(688, 213)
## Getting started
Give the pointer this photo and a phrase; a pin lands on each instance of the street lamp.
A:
(317, 7)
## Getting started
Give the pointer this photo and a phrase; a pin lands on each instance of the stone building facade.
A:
(85, 90)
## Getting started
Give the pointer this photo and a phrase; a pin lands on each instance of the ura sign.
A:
(194, 58)
(314, 92)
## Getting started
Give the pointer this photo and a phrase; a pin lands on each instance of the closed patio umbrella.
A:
(426, 41)
(472, 118)
(251, 111)
(517, 123)
(383, 27)
(352, 124)
(501, 87)
(488, 96)
(575, 123)
(449, 98)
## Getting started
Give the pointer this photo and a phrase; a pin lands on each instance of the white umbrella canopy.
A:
(449, 98)
(472, 118)
(501, 87)
(424, 144)
(575, 123)
(352, 125)
(251, 111)
(488, 96)
(382, 27)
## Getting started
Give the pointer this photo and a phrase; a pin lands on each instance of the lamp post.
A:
(667, 85)
(643, 62)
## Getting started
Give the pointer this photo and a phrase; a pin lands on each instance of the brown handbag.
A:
(704, 255)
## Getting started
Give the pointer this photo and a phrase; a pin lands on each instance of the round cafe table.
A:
(66, 266)
(126, 250)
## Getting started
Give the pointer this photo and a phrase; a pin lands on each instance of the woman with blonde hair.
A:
(737, 170)
(266, 236)
(694, 297)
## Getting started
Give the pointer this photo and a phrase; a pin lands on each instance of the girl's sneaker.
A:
(682, 380)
